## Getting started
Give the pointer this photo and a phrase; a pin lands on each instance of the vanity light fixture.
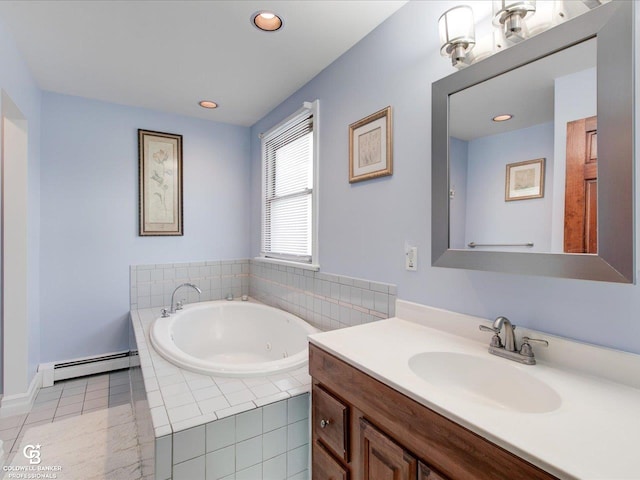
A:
(266, 21)
(502, 117)
(457, 34)
(509, 15)
(208, 104)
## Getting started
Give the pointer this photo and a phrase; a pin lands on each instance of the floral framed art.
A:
(371, 147)
(524, 180)
(160, 189)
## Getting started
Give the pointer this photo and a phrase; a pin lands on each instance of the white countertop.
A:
(594, 434)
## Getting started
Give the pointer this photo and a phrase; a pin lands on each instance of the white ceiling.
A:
(168, 55)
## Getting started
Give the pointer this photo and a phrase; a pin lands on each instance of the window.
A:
(289, 188)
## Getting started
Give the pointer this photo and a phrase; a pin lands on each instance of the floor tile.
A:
(10, 433)
(69, 392)
(47, 396)
(68, 409)
(71, 400)
(62, 417)
(95, 403)
(119, 399)
(45, 405)
(13, 421)
(40, 415)
(91, 387)
(7, 445)
(123, 388)
(75, 383)
(100, 378)
(16, 445)
(121, 380)
(93, 394)
(119, 373)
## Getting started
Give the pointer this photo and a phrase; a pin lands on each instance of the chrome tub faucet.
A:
(178, 306)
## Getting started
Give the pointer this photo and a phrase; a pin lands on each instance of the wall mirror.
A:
(550, 191)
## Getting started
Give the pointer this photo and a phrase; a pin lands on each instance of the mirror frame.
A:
(612, 25)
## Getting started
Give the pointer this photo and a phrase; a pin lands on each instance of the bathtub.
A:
(232, 339)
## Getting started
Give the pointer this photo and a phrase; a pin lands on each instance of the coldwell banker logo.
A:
(32, 453)
(34, 470)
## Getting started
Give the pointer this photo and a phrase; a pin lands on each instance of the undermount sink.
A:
(489, 381)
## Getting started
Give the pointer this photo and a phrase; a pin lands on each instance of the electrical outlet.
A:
(411, 258)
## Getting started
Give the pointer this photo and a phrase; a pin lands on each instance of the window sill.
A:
(289, 263)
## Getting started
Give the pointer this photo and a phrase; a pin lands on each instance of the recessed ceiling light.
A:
(266, 21)
(502, 118)
(208, 104)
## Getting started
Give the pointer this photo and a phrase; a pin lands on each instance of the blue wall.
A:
(83, 202)
(363, 227)
(491, 219)
(17, 82)
(89, 191)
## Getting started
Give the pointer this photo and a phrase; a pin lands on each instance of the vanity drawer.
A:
(330, 422)
(325, 466)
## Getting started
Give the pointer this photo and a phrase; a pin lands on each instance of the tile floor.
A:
(66, 399)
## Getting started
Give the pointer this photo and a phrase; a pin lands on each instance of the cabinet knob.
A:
(324, 423)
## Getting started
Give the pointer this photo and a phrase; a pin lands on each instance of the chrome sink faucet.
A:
(509, 349)
(509, 332)
(178, 306)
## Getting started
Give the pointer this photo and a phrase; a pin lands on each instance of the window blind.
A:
(288, 176)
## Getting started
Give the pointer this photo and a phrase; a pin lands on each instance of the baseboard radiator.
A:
(84, 366)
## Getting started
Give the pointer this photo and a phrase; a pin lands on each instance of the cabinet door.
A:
(427, 473)
(325, 467)
(382, 458)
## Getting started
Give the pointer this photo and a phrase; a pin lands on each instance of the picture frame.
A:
(160, 184)
(371, 146)
(525, 180)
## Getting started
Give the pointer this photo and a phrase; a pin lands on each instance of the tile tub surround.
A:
(270, 442)
(179, 400)
(152, 285)
(324, 300)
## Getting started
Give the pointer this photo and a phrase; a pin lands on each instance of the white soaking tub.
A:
(232, 339)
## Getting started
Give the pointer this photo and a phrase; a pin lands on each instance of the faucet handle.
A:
(484, 328)
(525, 348)
(164, 312)
(179, 304)
(496, 342)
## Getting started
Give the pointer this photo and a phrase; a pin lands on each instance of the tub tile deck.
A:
(183, 399)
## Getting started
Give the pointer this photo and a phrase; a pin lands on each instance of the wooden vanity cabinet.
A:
(363, 429)
(382, 458)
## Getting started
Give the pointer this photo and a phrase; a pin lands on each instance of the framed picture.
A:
(160, 197)
(525, 180)
(371, 147)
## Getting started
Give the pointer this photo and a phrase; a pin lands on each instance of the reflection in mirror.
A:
(611, 24)
(528, 183)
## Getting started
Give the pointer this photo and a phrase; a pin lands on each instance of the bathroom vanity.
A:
(365, 429)
(401, 399)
